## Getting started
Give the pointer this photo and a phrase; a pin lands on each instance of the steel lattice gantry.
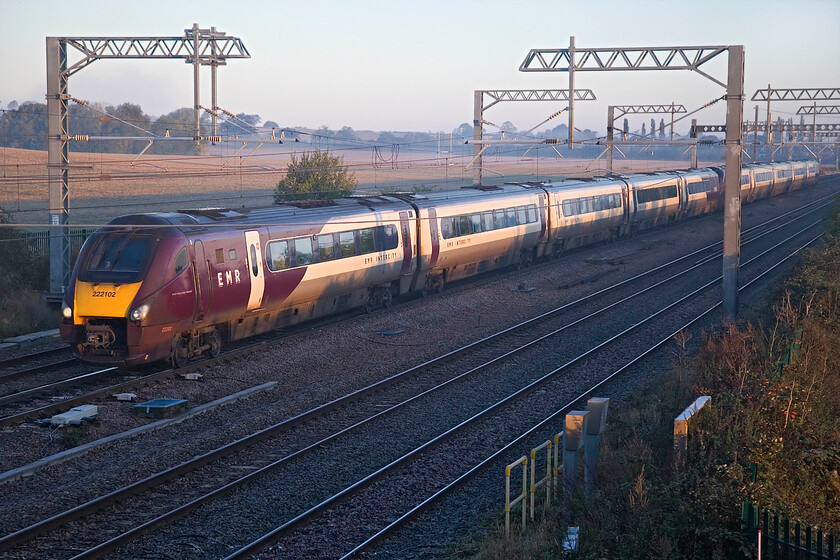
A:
(793, 94)
(499, 95)
(573, 60)
(197, 47)
(636, 110)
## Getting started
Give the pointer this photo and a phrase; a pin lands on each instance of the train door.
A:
(255, 269)
(406, 241)
(201, 277)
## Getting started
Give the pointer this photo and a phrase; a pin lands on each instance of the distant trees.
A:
(465, 130)
(315, 174)
(25, 126)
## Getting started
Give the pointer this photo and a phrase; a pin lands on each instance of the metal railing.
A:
(777, 540)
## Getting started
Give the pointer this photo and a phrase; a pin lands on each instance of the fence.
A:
(778, 541)
(39, 241)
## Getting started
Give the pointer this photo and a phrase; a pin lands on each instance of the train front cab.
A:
(130, 291)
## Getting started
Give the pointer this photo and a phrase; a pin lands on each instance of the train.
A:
(179, 285)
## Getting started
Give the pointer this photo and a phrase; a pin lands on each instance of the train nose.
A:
(100, 337)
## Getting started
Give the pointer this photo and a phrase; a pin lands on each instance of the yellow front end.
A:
(103, 300)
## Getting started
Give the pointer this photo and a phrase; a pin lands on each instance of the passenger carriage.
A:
(474, 230)
(701, 193)
(656, 199)
(583, 212)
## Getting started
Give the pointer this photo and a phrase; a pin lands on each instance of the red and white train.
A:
(174, 286)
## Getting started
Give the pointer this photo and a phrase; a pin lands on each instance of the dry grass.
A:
(101, 180)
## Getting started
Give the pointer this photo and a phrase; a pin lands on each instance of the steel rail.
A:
(272, 536)
(179, 512)
(34, 370)
(569, 406)
(173, 515)
(159, 478)
(8, 362)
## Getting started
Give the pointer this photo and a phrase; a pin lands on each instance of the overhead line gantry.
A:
(573, 60)
(197, 47)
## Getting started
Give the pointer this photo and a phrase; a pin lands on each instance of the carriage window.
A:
(366, 240)
(220, 256)
(326, 247)
(303, 250)
(532, 213)
(511, 216)
(347, 242)
(181, 261)
(475, 223)
(255, 262)
(232, 254)
(278, 255)
(390, 239)
(487, 221)
(521, 215)
(447, 227)
(499, 220)
(463, 225)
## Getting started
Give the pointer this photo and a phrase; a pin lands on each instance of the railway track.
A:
(471, 361)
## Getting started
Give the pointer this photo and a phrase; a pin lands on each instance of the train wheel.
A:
(214, 339)
(387, 297)
(180, 353)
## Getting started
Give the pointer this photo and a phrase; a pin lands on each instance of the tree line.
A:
(25, 126)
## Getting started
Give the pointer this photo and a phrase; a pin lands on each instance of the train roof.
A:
(295, 211)
(467, 194)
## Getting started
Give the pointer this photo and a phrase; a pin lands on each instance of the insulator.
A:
(552, 141)
(214, 138)
(81, 138)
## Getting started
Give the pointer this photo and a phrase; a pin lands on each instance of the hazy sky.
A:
(414, 65)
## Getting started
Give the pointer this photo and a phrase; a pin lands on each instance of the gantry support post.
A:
(478, 127)
(58, 159)
(196, 62)
(732, 187)
(755, 136)
(693, 135)
(572, 94)
(610, 126)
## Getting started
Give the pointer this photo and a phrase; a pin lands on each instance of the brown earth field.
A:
(103, 186)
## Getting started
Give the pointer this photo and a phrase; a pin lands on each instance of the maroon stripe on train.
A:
(406, 240)
(433, 229)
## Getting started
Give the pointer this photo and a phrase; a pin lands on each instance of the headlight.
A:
(67, 311)
(139, 313)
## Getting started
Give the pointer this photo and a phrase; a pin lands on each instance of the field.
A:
(103, 186)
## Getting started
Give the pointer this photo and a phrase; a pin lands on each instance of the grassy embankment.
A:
(784, 419)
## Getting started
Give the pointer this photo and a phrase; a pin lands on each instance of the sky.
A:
(414, 65)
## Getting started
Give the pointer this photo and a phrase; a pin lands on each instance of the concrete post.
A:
(595, 424)
(572, 442)
(732, 187)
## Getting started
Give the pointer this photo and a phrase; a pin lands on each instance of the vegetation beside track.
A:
(24, 276)
(784, 418)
